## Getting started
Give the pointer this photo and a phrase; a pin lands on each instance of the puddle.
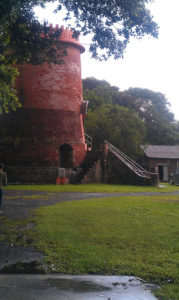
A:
(69, 287)
(76, 286)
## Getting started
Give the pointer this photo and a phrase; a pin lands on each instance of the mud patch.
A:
(33, 267)
(16, 259)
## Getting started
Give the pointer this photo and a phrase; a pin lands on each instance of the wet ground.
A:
(17, 260)
(67, 287)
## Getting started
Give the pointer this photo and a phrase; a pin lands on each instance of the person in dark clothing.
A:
(3, 181)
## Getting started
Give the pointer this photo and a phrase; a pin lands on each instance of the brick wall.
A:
(171, 163)
(51, 98)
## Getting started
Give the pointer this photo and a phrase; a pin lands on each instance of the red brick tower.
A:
(48, 130)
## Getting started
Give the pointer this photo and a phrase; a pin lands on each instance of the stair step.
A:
(88, 163)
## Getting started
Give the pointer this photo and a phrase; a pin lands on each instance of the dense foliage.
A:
(111, 24)
(8, 97)
(128, 118)
(153, 109)
(117, 124)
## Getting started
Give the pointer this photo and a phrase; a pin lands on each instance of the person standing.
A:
(3, 181)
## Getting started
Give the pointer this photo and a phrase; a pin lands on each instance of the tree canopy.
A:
(22, 40)
(117, 124)
(154, 109)
(147, 112)
(111, 24)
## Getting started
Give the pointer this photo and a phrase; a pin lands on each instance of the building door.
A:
(160, 171)
(66, 156)
(163, 172)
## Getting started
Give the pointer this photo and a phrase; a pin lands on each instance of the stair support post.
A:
(104, 152)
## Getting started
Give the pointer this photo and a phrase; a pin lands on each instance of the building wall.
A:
(52, 87)
(118, 173)
(50, 116)
(153, 164)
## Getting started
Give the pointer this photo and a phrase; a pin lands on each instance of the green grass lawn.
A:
(119, 235)
(95, 188)
(124, 236)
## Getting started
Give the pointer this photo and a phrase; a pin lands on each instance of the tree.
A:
(119, 125)
(99, 92)
(111, 23)
(151, 107)
(24, 39)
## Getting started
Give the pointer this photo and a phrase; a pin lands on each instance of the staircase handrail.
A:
(125, 156)
(88, 140)
(135, 167)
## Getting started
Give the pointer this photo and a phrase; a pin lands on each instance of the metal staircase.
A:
(88, 140)
(136, 168)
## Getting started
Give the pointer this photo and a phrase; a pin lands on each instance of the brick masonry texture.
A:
(50, 116)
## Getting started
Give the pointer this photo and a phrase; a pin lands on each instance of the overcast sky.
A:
(147, 63)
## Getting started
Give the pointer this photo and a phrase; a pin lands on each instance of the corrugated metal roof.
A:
(161, 151)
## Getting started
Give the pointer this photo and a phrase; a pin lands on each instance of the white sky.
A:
(147, 63)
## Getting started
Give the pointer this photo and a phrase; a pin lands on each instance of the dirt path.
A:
(18, 204)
